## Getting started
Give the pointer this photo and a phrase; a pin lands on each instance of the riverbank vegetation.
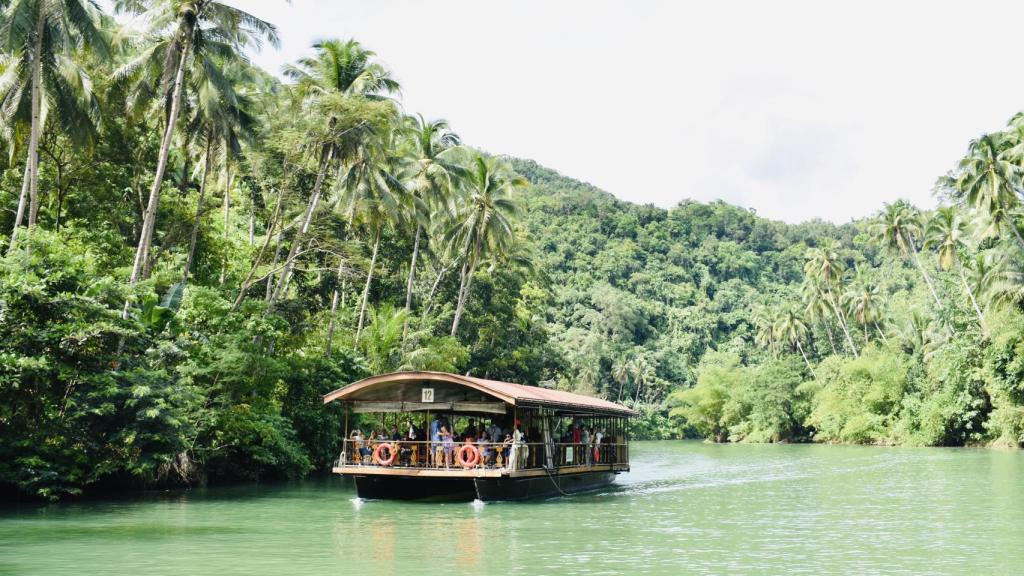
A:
(196, 250)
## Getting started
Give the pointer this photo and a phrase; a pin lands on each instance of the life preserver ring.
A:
(380, 459)
(468, 456)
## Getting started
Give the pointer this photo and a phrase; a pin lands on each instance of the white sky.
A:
(798, 110)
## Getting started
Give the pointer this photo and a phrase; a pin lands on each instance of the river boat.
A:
(544, 445)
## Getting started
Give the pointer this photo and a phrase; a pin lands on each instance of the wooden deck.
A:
(472, 472)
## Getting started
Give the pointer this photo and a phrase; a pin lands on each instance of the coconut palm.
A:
(988, 177)
(817, 307)
(863, 300)
(895, 228)
(825, 268)
(222, 119)
(483, 223)
(642, 372)
(184, 35)
(342, 71)
(42, 77)
(620, 373)
(791, 329)
(433, 180)
(374, 187)
(764, 329)
(946, 233)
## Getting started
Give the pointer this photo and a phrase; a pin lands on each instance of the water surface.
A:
(687, 508)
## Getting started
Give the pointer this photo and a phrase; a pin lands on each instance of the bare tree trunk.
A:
(412, 268)
(199, 212)
(433, 290)
(474, 260)
(880, 333)
(828, 330)
(307, 218)
(22, 201)
(970, 294)
(252, 226)
(920, 268)
(842, 322)
(366, 288)
(36, 128)
(273, 265)
(149, 218)
(806, 361)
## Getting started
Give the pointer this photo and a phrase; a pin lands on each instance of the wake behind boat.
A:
(448, 436)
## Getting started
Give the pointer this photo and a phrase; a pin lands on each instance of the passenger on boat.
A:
(359, 445)
(495, 431)
(435, 440)
(486, 451)
(448, 441)
(586, 445)
(469, 434)
(395, 434)
(506, 450)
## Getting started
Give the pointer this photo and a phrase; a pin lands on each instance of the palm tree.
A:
(483, 222)
(897, 225)
(817, 307)
(946, 233)
(987, 179)
(620, 373)
(791, 329)
(824, 267)
(220, 115)
(373, 186)
(341, 71)
(864, 303)
(642, 372)
(764, 329)
(433, 180)
(39, 39)
(187, 35)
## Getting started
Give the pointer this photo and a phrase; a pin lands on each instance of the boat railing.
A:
(492, 455)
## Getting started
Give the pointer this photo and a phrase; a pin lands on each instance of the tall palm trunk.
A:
(970, 294)
(227, 216)
(369, 279)
(842, 321)
(36, 128)
(880, 333)
(920, 268)
(199, 213)
(467, 283)
(149, 217)
(806, 361)
(828, 330)
(412, 267)
(433, 290)
(259, 257)
(22, 201)
(307, 218)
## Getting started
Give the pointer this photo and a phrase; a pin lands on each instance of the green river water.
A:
(686, 508)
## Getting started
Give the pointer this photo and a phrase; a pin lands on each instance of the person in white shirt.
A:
(598, 436)
(587, 452)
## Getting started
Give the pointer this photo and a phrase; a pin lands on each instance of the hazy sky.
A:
(795, 109)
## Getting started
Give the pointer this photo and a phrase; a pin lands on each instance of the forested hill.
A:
(641, 292)
(712, 321)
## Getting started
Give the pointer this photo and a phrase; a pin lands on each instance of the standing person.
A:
(448, 441)
(435, 440)
(518, 447)
(585, 446)
(598, 436)
(577, 438)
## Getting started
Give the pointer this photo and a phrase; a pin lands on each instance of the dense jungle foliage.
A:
(195, 251)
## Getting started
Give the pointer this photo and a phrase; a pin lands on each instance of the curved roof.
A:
(514, 394)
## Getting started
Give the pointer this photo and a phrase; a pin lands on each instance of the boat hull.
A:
(414, 488)
(375, 487)
(505, 488)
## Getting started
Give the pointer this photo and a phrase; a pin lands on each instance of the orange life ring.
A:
(470, 460)
(392, 454)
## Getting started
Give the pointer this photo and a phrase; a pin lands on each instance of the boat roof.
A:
(394, 383)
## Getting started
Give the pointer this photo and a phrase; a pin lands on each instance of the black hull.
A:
(404, 488)
(489, 489)
(374, 487)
